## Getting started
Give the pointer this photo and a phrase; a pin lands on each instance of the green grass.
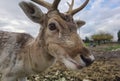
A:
(87, 44)
(112, 47)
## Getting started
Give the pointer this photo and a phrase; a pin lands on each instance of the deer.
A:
(22, 55)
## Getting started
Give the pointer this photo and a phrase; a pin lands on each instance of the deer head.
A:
(58, 34)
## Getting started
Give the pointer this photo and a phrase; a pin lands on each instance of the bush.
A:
(102, 37)
(118, 36)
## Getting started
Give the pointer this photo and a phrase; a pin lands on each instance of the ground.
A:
(105, 68)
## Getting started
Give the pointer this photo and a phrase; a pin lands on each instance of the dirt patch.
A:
(105, 68)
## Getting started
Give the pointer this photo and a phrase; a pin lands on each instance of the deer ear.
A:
(80, 23)
(32, 11)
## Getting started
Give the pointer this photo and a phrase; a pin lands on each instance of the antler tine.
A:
(70, 6)
(43, 3)
(47, 5)
(71, 11)
(79, 8)
(55, 4)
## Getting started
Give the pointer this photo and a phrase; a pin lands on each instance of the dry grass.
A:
(105, 68)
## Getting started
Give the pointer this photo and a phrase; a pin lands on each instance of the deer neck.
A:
(39, 58)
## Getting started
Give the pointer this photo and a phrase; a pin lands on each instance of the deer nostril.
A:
(88, 61)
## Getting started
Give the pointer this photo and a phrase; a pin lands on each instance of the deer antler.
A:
(55, 4)
(70, 6)
(47, 5)
(72, 12)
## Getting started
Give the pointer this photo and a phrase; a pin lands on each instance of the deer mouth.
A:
(79, 64)
(70, 62)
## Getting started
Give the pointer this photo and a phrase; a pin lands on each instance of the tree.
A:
(118, 34)
(102, 37)
(87, 40)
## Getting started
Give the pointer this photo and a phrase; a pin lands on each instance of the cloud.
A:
(13, 19)
(100, 15)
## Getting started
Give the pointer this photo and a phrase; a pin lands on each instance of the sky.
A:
(99, 15)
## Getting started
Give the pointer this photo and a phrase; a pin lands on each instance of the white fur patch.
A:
(92, 57)
(82, 62)
(71, 43)
(69, 64)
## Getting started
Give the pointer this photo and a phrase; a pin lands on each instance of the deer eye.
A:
(52, 26)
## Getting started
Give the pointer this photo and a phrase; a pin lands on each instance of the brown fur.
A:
(22, 55)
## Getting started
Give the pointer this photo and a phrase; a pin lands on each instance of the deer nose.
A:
(88, 60)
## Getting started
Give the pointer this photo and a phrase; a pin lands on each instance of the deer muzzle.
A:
(88, 60)
(70, 62)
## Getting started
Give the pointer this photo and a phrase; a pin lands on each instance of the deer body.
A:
(22, 55)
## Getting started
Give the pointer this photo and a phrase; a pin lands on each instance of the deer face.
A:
(64, 43)
(59, 32)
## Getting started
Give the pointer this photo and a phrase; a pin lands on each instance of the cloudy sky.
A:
(100, 16)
